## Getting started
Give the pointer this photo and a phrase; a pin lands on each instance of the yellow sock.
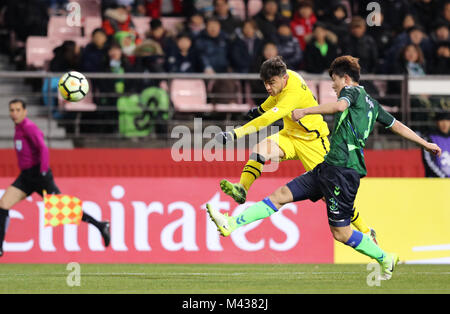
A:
(359, 223)
(250, 173)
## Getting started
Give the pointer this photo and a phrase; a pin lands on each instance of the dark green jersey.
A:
(353, 126)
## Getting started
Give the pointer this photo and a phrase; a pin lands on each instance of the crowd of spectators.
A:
(307, 33)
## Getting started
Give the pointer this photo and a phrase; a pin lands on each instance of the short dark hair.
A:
(24, 104)
(272, 67)
(98, 30)
(346, 65)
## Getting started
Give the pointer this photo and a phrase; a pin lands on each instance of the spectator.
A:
(303, 22)
(94, 54)
(127, 42)
(259, 92)
(116, 20)
(445, 15)
(438, 166)
(23, 19)
(425, 11)
(411, 61)
(394, 12)
(414, 35)
(383, 36)
(268, 19)
(150, 58)
(321, 50)
(408, 21)
(228, 22)
(117, 63)
(194, 25)
(160, 35)
(245, 47)
(286, 9)
(322, 8)
(157, 8)
(204, 7)
(440, 33)
(212, 48)
(288, 46)
(336, 22)
(441, 63)
(181, 58)
(66, 57)
(361, 45)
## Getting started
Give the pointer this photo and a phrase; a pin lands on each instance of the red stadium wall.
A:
(159, 163)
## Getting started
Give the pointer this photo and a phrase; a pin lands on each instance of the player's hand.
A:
(297, 114)
(253, 113)
(224, 137)
(433, 148)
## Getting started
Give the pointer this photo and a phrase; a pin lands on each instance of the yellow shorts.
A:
(310, 153)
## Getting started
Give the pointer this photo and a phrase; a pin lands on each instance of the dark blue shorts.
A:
(338, 185)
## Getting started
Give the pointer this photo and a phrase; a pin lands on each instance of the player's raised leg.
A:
(11, 197)
(264, 151)
(263, 209)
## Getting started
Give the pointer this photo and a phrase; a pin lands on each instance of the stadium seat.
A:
(326, 92)
(81, 41)
(172, 24)
(39, 51)
(91, 23)
(141, 24)
(189, 95)
(89, 7)
(237, 8)
(236, 105)
(254, 6)
(58, 28)
(313, 87)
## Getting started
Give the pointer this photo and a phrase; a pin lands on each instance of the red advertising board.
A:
(163, 220)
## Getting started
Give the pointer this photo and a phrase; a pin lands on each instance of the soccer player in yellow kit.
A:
(305, 140)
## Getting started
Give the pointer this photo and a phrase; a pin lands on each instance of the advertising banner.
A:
(411, 218)
(163, 220)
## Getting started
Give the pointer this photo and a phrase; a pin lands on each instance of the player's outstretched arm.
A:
(328, 108)
(405, 132)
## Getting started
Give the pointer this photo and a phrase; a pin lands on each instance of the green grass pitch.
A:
(220, 279)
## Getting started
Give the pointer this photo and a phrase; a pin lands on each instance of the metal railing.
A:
(100, 128)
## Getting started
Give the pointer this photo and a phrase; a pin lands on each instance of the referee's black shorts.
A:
(31, 180)
(338, 185)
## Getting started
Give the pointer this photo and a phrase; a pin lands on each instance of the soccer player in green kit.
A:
(337, 178)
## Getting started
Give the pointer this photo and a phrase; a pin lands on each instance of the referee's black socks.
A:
(91, 220)
(4, 220)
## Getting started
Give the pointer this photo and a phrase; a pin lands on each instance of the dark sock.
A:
(91, 220)
(4, 217)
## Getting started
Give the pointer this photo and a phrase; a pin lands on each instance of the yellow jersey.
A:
(295, 95)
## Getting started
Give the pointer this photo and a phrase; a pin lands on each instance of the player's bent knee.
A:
(281, 196)
(340, 234)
